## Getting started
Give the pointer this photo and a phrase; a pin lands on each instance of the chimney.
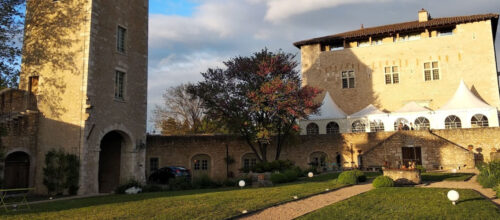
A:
(423, 15)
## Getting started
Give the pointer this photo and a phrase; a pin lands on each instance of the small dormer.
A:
(423, 15)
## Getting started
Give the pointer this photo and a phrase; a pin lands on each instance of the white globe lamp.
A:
(310, 174)
(453, 196)
(241, 183)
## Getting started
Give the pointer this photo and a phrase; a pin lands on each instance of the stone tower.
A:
(85, 62)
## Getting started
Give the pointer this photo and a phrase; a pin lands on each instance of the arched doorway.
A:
(110, 161)
(17, 170)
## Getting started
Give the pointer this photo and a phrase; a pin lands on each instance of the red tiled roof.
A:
(402, 27)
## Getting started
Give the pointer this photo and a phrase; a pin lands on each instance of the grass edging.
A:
(249, 213)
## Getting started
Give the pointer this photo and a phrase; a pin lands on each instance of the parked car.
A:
(164, 174)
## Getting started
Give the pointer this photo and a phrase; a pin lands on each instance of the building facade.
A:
(84, 65)
(406, 71)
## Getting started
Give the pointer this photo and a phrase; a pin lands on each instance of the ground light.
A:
(310, 174)
(453, 196)
(241, 183)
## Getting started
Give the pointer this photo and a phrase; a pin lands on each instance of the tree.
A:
(259, 97)
(182, 113)
(11, 29)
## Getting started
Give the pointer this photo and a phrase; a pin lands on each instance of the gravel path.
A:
(295, 209)
(469, 184)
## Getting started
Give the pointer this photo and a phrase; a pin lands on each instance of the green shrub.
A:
(229, 182)
(360, 175)
(421, 168)
(131, 183)
(291, 175)
(489, 175)
(61, 171)
(152, 188)
(383, 181)
(348, 177)
(204, 182)
(277, 165)
(497, 189)
(278, 178)
(179, 183)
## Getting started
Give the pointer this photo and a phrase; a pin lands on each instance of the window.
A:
(119, 85)
(249, 160)
(348, 79)
(358, 126)
(312, 129)
(411, 154)
(121, 34)
(318, 159)
(204, 164)
(422, 123)
(153, 164)
(409, 37)
(478, 121)
(364, 43)
(376, 42)
(401, 124)
(33, 84)
(452, 122)
(332, 128)
(445, 32)
(337, 46)
(200, 163)
(431, 71)
(391, 74)
(376, 126)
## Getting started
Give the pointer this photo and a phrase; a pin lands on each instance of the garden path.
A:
(298, 208)
(469, 184)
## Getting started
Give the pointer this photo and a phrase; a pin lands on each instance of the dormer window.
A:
(376, 42)
(409, 37)
(337, 46)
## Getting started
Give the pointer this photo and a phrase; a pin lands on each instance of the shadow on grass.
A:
(437, 177)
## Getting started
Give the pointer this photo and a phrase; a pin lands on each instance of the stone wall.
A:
(444, 149)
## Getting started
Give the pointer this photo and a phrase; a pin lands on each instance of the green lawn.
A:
(409, 203)
(190, 204)
(433, 177)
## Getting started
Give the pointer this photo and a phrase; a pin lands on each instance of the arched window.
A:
(318, 159)
(312, 129)
(200, 165)
(401, 124)
(332, 128)
(422, 123)
(376, 126)
(478, 121)
(358, 126)
(249, 160)
(452, 122)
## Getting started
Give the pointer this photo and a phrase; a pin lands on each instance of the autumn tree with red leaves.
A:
(259, 97)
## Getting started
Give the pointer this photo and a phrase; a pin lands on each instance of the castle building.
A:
(82, 90)
(432, 73)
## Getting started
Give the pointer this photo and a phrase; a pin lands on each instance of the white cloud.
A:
(282, 9)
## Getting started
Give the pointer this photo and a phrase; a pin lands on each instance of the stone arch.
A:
(452, 122)
(113, 165)
(18, 169)
(319, 159)
(201, 164)
(478, 121)
(312, 129)
(332, 128)
(248, 160)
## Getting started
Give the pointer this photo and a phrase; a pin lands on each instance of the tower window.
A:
(120, 39)
(348, 79)
(431, 71)
(119, 85)
(391, 74)
(33, 84)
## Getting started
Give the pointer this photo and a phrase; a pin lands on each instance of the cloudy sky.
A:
(188, 36)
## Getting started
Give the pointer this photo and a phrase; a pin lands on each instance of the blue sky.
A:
(172, 7)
